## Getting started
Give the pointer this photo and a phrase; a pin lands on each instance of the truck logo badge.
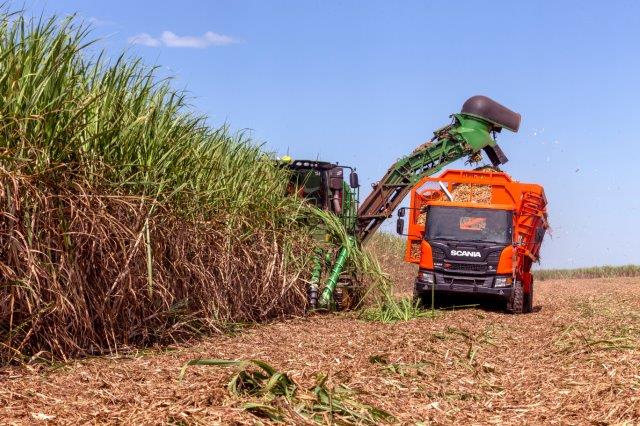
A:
(465, 253)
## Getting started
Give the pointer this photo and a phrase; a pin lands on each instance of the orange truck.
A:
(475, 232)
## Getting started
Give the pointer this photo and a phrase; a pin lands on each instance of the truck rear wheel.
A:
(516, 302)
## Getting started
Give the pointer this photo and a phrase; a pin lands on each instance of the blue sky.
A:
(363, 83)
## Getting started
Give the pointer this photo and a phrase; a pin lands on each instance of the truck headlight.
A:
(426, 277)
(503, 281)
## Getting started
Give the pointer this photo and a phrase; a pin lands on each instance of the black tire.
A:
(349, 293)
(418, 298)
(338, 300)
(516, 303)
(528, 300)
(424, 299)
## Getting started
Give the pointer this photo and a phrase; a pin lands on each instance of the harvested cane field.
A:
(573, 361)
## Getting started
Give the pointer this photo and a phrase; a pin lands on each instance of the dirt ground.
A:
(576, 360)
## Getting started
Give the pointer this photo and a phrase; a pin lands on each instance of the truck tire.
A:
(418, 298)
(516, 303)
(528, 300)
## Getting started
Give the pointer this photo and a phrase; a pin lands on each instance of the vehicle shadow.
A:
(451, 302)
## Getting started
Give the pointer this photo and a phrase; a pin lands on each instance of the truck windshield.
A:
(469, 224)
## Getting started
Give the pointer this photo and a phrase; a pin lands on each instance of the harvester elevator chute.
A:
(472, 130)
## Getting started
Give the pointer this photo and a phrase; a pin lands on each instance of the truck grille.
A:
(493, 257)
(463, 280)
(438, 254)
(466, 267)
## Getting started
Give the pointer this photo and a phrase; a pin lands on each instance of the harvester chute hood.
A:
(491, 111)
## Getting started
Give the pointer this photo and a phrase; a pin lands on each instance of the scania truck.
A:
(475, 232)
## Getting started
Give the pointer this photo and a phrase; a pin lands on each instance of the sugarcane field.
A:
(319, 213)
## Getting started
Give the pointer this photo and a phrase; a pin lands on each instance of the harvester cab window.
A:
(308, 184)
(469, 224)
(313, 187)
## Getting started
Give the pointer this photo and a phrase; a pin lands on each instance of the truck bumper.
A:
(500, 292)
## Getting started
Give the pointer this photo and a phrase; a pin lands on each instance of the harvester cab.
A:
(322, 184)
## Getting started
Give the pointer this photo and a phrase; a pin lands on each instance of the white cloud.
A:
(170, 39)
(208, 39)
(144, 39)
(97, 22)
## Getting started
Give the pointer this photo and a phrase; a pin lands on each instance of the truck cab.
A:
(466, 244)
(476, 233)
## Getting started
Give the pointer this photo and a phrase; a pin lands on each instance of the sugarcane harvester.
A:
(471, 131)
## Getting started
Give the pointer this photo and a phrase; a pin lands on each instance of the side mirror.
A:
(401, 212)
(400, 226)
(353, 180)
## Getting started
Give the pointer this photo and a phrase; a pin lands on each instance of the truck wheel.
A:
(528, 301)
(516, 303)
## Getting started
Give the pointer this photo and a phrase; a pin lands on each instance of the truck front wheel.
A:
(419, 299)
(515, 305)
(528, 300)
